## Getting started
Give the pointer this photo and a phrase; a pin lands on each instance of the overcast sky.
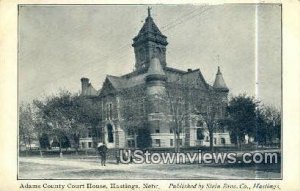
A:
(60, 44)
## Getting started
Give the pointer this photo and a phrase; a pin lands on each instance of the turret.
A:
(219, 83)
(155, 78)
(156, 90)
(157, 103)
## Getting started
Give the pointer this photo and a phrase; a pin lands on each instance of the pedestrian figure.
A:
(102, 150)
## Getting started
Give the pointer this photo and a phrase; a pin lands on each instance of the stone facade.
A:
(158, 98)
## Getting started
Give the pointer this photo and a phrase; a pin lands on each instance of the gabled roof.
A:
(122, 82)
(195, 77)
(91, 91)
(116, 82)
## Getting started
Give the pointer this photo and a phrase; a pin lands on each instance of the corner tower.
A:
(149, 43)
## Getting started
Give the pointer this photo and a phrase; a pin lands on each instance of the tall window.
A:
(107, 112)
(140, 106)
(223, 141)
(200, 135)
(110, 111)
(207, 138)
(110, 135)
(157, 142)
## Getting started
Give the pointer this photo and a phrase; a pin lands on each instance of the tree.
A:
(26, 126)
(242, 117)
(86, 113)
(57, 114)
(66, 117)
(268, 127)
(179, 110)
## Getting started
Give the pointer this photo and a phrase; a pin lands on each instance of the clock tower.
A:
(149, 43)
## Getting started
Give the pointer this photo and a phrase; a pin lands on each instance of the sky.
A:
(60, 44)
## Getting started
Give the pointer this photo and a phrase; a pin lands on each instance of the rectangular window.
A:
(82, 145)
(180, 142)
(171, 142)
(171, 130)
(130, 132)
(90, 144)
(157, 130)
(207, 139)
(157, 142)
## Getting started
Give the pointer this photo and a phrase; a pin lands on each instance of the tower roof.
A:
(149, 26)
(155, 70)
(150, 31)
(219, 81)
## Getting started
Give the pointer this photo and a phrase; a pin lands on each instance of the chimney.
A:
(189, 70)
(84, 85)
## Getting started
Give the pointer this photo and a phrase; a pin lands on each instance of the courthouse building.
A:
(158, 100)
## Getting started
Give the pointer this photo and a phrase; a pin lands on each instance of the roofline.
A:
(174, 70)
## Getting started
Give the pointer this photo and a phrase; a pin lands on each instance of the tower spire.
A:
(219, 71)
(219, 83)
(149, 11)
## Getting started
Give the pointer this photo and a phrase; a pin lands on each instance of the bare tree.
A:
(211, 120)
(26, 126)
(178, 98)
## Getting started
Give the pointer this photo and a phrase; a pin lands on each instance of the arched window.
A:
(110, 135)
(199, 124)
